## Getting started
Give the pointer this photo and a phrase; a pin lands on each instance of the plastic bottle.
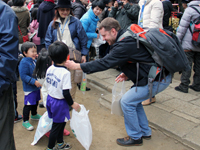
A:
(83, 83)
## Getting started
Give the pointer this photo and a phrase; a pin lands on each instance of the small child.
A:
(42, 64)
(31, 86)
(34, 29)
(59, 98)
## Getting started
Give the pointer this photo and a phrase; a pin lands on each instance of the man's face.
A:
(109, 36)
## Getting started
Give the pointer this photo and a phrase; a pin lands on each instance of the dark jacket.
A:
(45, 15)
(120, 53)
(8, 46)
(167, 6)
(125, 16)
(78, 9)
(77, 32)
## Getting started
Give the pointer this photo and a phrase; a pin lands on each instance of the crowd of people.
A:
(35, 37)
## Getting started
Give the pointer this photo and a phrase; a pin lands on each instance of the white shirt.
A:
(58, 78)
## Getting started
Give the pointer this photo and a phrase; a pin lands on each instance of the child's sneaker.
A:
(35, 117)
(64, 146)
(27, 125)
(66, 132)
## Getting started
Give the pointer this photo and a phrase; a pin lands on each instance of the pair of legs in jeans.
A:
(135, 119)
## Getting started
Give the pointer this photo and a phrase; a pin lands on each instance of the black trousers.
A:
(56, 134)
(194, 58)
(14, 85)
(27, 109)
(7, 116)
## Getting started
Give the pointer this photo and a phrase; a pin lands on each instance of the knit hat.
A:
(64, 4)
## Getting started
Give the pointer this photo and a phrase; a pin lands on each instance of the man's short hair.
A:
(109, 23)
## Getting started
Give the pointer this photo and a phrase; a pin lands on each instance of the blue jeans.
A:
(135, 119)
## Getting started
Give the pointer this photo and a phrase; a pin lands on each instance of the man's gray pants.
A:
(7, 116)
(193, 57)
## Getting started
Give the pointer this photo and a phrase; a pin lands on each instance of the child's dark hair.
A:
(42, 64)
(98, 3)
(58, 52)
(26, 46)
(34, 13)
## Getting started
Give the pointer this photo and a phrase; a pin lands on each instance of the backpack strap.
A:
(196, 11)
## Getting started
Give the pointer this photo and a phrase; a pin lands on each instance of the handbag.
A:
(74, 54)
(25, 38)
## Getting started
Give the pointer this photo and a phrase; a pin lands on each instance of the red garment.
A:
(49, 1)
(29, 5)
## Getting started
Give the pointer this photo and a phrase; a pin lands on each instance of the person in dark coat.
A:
(168, 8)
(9, 41)
(79, 8)
(44, 16)
(121, 52)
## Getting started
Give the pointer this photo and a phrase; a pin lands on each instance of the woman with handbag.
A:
(71, 33)
(23, 16)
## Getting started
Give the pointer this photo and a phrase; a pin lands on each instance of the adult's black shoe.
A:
(180, 90)
(146, 137)
(127, 141)
(197, 90)
(79, 86)
(41, 105)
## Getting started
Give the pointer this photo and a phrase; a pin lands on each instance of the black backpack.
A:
(164, 48)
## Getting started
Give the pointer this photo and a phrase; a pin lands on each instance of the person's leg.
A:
(34, 109)
(73, 89)
(60, 134)
(7, 116)
(185, 77)
(135, 119)
(55, 130)
(26, 112)
(196, 78)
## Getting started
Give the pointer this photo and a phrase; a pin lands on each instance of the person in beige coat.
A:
(150, 16)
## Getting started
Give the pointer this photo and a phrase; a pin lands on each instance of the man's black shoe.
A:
(180, 90)
(127, 141)
(197, 90)
(79, 86)
(41, 105)
(146, 137)
(19, 118)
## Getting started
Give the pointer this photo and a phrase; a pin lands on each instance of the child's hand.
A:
(75, 106)
(37, 84)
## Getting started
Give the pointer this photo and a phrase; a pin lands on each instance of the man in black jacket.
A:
(122, 53)
(79, 8)
(45, 15)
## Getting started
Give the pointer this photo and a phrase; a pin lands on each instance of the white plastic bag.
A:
(117, 94)
(44, 126)
(81, 127)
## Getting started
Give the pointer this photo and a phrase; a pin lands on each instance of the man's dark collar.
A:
(120, 32)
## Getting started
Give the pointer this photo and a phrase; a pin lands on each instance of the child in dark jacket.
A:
(31, 86)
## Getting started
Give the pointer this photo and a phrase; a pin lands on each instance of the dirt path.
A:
(106, 128)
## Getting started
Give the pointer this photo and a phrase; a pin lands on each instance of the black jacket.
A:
(167, 6)
(44, 16)
(78, 9)
(120, 53)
